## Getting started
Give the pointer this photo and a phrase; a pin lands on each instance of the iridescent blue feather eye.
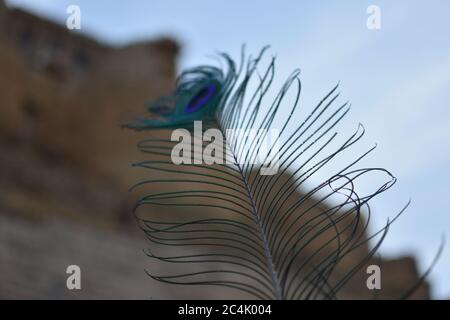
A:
(201, 98)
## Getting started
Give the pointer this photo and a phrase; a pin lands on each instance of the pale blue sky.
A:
(397, 78)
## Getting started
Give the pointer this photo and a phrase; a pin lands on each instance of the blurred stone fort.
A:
(64, 165)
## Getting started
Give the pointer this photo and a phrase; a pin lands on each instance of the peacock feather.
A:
(269, 236)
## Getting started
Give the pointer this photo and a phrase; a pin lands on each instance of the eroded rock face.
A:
(64, 156)
(63, 98)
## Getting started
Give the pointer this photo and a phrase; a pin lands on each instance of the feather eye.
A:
(201, 98)
(197, 97)
(277, 236)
